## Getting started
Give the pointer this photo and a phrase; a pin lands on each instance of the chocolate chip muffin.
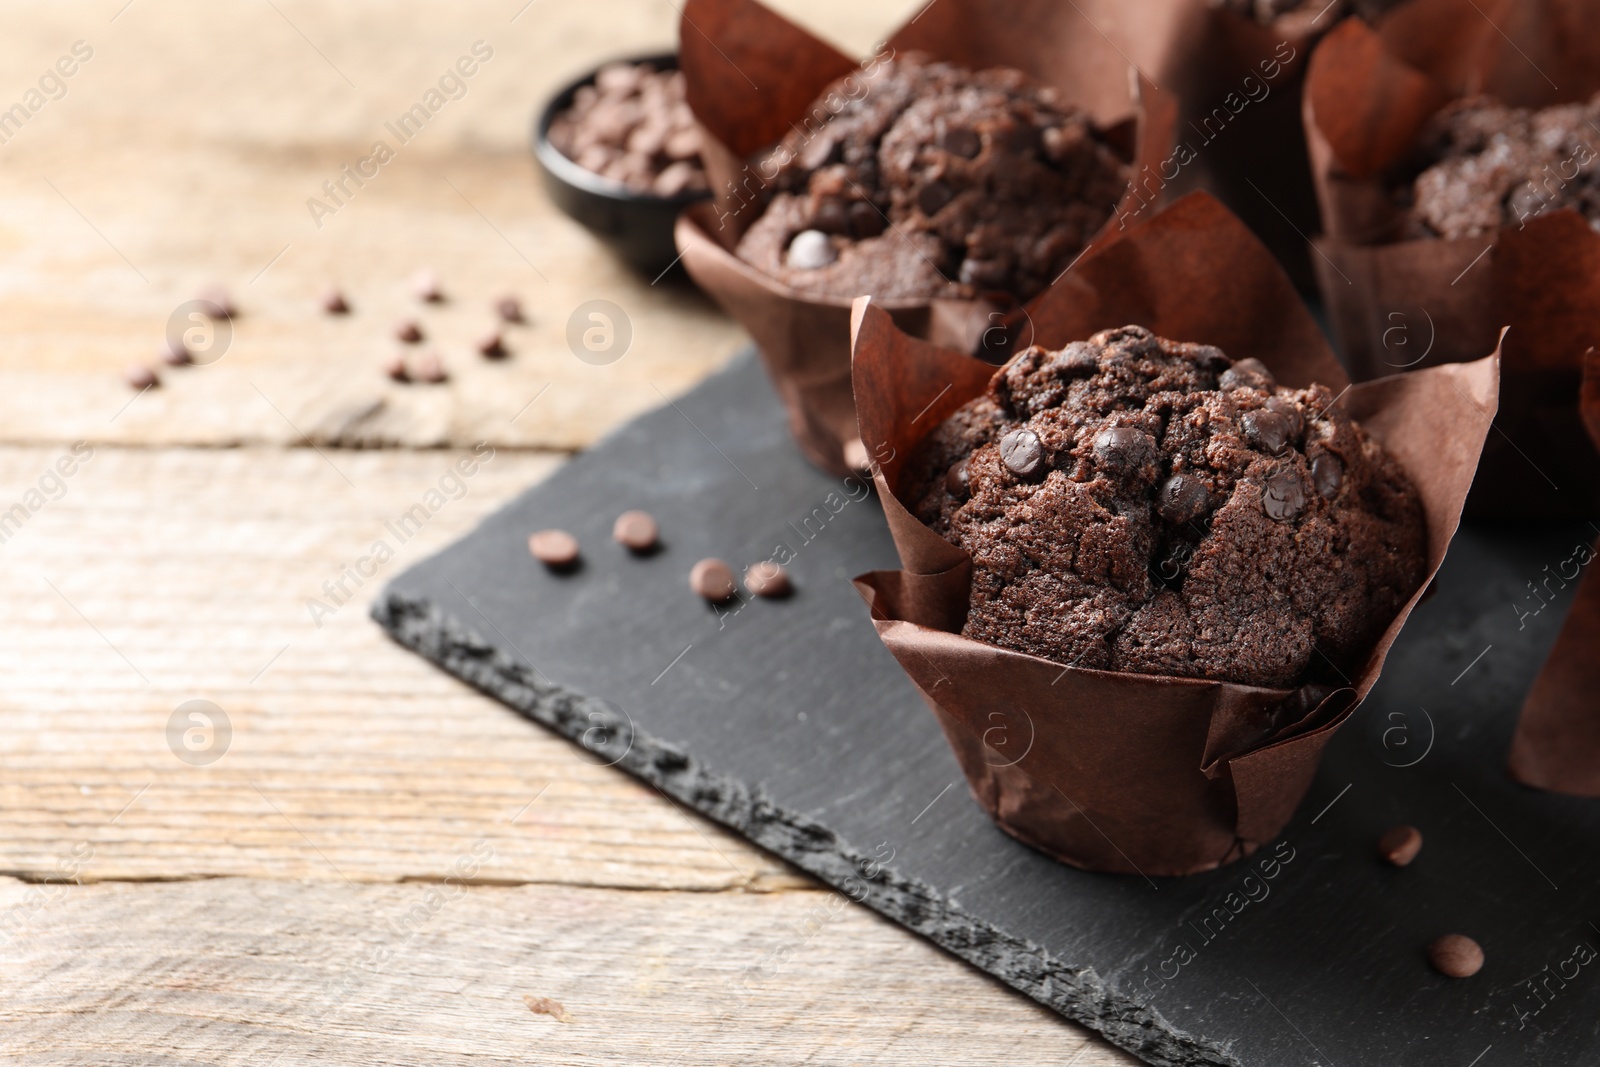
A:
(1484, 165)
(1137, 504)
(916, 179)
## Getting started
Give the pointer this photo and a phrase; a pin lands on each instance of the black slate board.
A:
(789, 722)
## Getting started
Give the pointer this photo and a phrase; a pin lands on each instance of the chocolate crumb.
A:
(408, 332)
(492, 346)
(334, 303)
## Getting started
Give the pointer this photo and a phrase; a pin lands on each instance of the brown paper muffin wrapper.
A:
(1245, 126)
(1399, 304)
(1557, 743)
(752, 75)
(1127, 772)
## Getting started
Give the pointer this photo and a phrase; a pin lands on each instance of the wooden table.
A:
(383, 866)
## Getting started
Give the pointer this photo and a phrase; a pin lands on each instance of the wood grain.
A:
(185, 152)
(242, 971)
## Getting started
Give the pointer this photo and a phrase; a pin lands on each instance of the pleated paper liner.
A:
(1129, 772)
(753, 75)
(1557, 743)
(1398, 304)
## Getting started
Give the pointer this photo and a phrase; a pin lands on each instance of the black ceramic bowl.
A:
(637, 226)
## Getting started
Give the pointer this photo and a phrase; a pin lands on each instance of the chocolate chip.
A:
(934, 196)
(554, 548)
(818, 152)
(430, 368)
(960, 141)
(1291, 411)
(1456, 956)
(831, 216)
(1247, 374)
(636, 531)
(1282, 496)
(712, 579)
(141, 377)
(768, 580)
(395, 367)
(810, 250)
(174, 353)
(866, 220)
(218, 298)
(492, 346)
(1182, 499)
(1123, 448)
(1021, 452)
(956, 478)
(1268, 431)
(1327, 471)
(509, 308)
(425, 287)
(408, 332)
(984, 273)
(1400, 845)
(334, 303)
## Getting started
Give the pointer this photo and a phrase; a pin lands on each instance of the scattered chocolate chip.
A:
(218, 297)
(334, 303)
(1078, 360)
(768, 579)
(430, 368)
(425, 287)
(636, 531)
(408, 332)
(492, 346)
(1247, 374)
(1021, 452)
(395, 367)
(141, 377)
(1282, 496)
(712, 580)
(1123, 448)
(1400, 845)
(934, 196)
(554, 548)
(961, 141)
(866, 220)
(956, 478)
(175, 353)
(1182, 499)
(1267, 430)
(1456, 956)
(810, 250)
(509, 308)
(1327, 471)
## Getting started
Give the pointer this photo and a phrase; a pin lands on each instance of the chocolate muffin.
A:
(1137, 504)
(1485, 165)
(918, 179)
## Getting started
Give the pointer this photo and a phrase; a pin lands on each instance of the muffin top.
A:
(1486, 165)
(1326, 12)
(918, 178)
(1137, 504)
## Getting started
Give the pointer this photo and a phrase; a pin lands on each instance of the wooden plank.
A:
(156, 174)
(243, 971)
(162, 576)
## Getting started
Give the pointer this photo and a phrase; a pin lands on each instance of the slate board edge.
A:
(1077, 993)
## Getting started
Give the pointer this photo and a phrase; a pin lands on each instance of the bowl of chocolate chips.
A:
(620, 153)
